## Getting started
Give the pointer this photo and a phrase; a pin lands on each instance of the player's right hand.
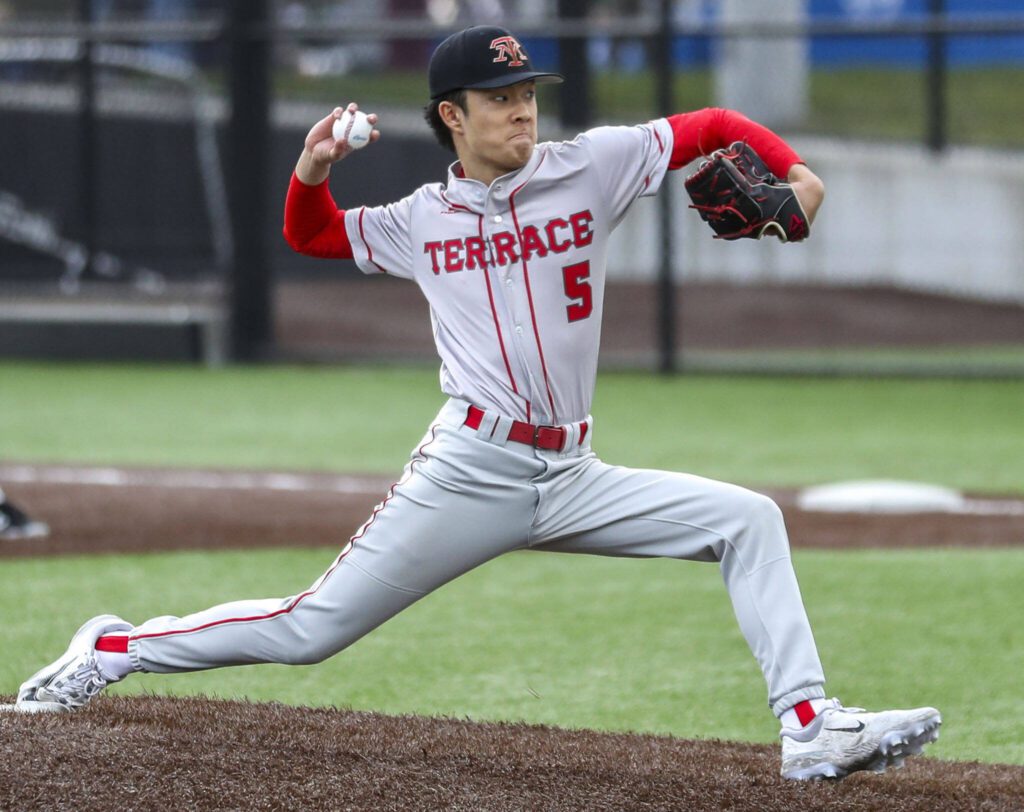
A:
(320, 144)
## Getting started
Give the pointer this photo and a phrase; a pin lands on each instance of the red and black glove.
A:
(738, 196)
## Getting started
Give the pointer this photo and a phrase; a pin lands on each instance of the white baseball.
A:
(354, 128)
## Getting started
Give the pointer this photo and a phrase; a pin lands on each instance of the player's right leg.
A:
(460, 503)
(610, 510)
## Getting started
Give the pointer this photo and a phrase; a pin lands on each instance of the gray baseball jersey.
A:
(514, 273)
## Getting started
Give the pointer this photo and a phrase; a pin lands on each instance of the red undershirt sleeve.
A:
(703, 131)
(313, 223)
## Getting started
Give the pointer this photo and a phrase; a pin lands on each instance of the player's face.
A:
(499, 130)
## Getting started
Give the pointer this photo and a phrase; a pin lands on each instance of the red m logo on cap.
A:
(508, 47)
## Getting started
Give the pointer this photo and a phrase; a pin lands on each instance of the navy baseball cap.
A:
(481, 57)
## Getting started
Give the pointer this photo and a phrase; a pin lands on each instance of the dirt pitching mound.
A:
(152, 753)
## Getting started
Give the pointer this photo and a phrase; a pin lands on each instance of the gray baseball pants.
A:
(467, 496)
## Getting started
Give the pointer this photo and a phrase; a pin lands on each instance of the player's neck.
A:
(485, 174)
(475, 169)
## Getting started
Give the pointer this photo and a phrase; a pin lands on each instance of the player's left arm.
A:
(703, 131)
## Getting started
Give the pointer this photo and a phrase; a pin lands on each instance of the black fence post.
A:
(666, 285)
(87, 151)
(936, 79)
(574, 98)
(247, 163)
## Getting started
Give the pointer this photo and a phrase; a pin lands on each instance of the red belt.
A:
(551, 438)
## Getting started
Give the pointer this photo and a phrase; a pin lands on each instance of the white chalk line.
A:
(991, 507)
(181, 479)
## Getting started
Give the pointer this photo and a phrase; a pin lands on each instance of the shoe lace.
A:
(837, 705)
(83, 683)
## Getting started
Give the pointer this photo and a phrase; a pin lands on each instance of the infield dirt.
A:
(150, 753)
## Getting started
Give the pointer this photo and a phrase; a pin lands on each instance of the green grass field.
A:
(758, 431)
(578, 642)
(582, 641)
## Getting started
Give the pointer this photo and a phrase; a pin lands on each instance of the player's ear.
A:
(451, 114)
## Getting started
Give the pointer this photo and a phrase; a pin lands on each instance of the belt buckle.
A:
(560, 430)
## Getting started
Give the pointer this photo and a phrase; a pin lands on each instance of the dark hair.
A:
(433, 117)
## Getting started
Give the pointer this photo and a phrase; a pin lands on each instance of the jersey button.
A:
(519, 329)
(509, 281)
(497, 218)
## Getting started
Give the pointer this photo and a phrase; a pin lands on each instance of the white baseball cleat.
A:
(844, 740)
(70, 682)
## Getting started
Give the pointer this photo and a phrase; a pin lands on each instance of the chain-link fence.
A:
(131, 199)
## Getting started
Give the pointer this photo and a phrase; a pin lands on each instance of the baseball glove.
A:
(738, 196)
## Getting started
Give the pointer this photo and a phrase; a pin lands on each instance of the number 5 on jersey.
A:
(578, 289)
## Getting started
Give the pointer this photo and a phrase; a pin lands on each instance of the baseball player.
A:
(510, 253)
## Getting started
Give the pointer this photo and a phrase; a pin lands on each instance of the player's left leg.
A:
(587, 506)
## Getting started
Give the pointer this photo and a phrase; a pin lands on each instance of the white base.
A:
(33, 707)
(881, 496)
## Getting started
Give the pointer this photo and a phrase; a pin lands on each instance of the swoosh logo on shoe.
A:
(856, 729)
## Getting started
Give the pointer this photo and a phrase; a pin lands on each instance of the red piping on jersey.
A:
(657, 137)
(362, 236)
(490, 296)
(529, 293)
(458, 206)
(323, 578)
(494, 314)
(661, 151)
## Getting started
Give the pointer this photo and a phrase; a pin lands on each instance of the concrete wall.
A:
(897, 216)
(765, 77)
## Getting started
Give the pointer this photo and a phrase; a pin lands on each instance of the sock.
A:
(112, 656)
(802, 713)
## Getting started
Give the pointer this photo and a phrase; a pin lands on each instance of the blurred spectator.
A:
(15, 525)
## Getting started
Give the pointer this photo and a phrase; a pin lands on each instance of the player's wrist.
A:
(311, 170)
(808, 187)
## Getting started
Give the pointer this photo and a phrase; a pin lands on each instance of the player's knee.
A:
(309, 652)
(764, 520)
(309, 642)
(766, 511)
